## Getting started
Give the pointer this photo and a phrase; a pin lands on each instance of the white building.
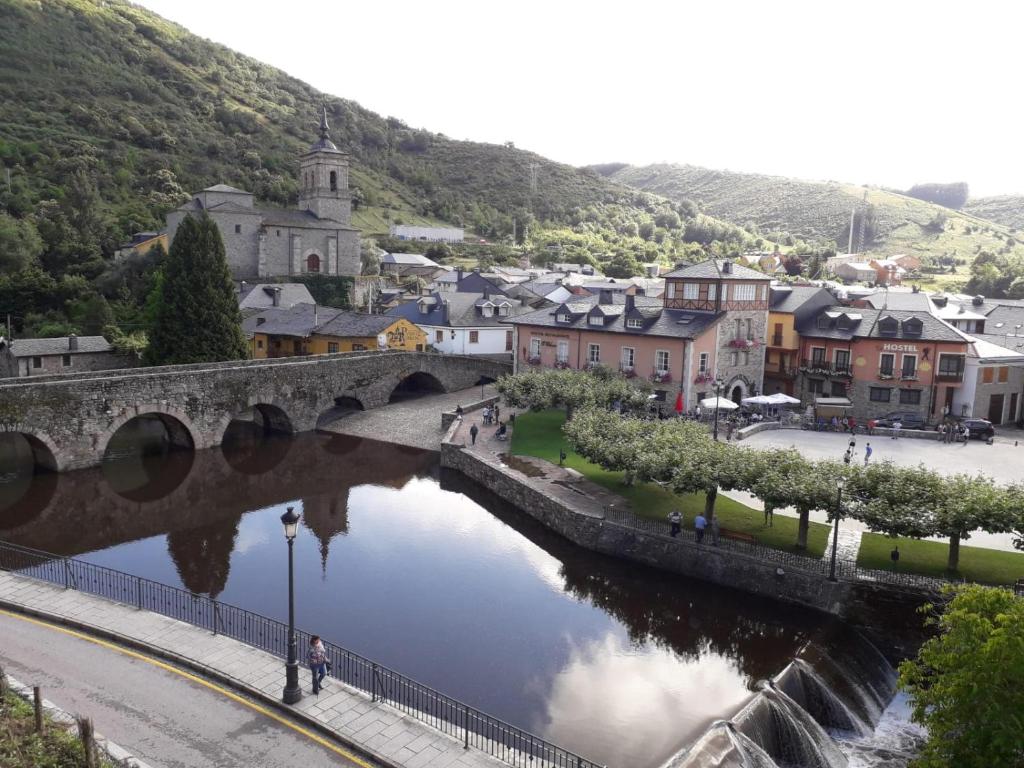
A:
(431, 234)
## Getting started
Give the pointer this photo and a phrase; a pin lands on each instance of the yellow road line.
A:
(199, 681)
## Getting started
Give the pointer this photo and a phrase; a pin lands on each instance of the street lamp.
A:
(840, 484)
(292, 692)
(718, 394)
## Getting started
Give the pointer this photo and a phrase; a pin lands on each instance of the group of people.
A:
(700, 526)
(491, 416)
(953, 433)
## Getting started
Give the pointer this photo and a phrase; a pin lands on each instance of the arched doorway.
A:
(737, 394)
(313, 263)
(415, 385)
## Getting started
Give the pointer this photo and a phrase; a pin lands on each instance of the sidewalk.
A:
(383, 734)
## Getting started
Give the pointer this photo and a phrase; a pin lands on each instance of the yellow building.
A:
(789, 305)
(308, 329)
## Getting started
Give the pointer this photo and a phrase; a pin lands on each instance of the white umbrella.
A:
(782, 399)
(719, 403)
(758, 400)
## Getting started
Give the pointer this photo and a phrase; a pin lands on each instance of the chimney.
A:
(316, 315)
(275, 296)
(727, 267)
(630, 303)
(604, 297)
(487, 292)
(978, 300)
(72, 343)
(458, 274)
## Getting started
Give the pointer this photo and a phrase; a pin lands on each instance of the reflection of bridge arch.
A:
(178, 426)
(266, 415)
(41, 447)
(414, 385)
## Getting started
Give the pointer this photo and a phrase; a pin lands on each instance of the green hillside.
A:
(820, 211)
(1007, 210)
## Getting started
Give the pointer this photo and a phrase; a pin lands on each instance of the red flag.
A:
(679, 402)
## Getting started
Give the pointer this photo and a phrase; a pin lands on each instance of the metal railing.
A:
(474, 728)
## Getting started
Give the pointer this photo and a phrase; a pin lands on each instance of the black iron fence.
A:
(474, 728)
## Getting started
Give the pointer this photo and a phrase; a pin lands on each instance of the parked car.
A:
(979, 428)
(907, 419)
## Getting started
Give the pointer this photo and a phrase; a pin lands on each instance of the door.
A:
(737, 394)
(1013, 407)
(995, 409)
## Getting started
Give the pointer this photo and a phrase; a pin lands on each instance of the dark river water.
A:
(425, 572)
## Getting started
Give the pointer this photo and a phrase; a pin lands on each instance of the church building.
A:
(276, 242)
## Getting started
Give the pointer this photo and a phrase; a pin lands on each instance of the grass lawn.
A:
(540, 435)
(987, 566)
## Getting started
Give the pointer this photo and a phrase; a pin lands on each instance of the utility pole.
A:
(853, 216)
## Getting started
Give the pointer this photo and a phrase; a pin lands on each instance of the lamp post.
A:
(718, 395)
(840, 483)
(292, 692)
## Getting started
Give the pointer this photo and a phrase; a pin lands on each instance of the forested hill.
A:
(115, 114)
(820, 211)
(1007, 210)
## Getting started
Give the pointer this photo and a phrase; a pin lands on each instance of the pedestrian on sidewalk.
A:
(728, 431)
(317, 658)
(867, 454)
(458, 410)
(699, 524)
(473, 432)
(715, 529)
(853, 444)
(769, 516)
(497, 413)
(675, 519)
(896, 427)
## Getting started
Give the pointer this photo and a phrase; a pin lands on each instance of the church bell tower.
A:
(323, 179)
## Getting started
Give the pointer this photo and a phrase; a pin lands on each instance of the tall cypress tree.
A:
(197, 318)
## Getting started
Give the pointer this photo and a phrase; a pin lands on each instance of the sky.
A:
(887, 93)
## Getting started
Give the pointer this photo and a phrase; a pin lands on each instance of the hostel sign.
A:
(899, 347)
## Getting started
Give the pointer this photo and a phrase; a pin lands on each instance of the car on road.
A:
(907, 420)
(979, 428)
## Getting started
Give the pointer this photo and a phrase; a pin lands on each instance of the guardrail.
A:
(474, 728)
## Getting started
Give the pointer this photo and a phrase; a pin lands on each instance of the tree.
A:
(966, 504)
(572, 390)
(20, 244)
(777, 473)
(196, 314)
(967, 683)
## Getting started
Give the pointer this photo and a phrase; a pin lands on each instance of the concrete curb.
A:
(118, 754)
(210, 673)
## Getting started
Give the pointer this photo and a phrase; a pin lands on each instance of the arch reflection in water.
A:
(25, 488)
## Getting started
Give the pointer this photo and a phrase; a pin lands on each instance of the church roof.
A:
(280, 217)
(324, 144)
(226, 188)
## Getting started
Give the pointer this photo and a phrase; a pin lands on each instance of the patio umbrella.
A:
(758, 400)
(719, 404)
(781, 399)
(679, 402)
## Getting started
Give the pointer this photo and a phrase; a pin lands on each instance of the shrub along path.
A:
(540, 434)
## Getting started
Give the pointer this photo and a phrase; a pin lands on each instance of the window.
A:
(670, 290)
(746, 358)
(725, 292)
(65, 360)
(750, 329)
(777, 335)
(888, 326)
(733, 358)
(842, 360)
(438, 337)
(838, 389)
(593, 353)
(487, 310)
(887, 364)
(739, 329)
(910, 396)
(1004, 372)
(817, 356)
(334, 181)
(634, 322)
(691, 290)
(951, 365)
(313, 263)
(358, 347)
(238, 229)
(816, 386)
(744, 292)
(626, 358)
(474, 337)
(332, 347)
(661, 361)
(880, 394)
(712, 292)
(909, 369)
(562, 355)
(508, 341)
(37, 362)
(761, 292)
(595, 320)
(986, 375)
(279, 233)
(503, 310)
(702, 365)
(563, 317)
(259, 343)
(534, 347)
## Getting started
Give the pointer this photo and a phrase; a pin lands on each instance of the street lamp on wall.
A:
(840, 484)
(292, 692)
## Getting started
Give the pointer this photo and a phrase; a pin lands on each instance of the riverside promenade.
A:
(377, 732)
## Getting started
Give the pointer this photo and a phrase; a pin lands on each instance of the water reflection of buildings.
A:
(198, 499)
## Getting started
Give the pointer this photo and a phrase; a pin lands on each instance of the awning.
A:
(719, 404)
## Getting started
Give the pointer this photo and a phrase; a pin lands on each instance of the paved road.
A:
(162, 717)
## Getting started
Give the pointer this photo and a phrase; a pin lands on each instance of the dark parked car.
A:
(979, 428)
(907, 420)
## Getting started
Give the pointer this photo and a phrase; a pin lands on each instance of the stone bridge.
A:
(69, 420)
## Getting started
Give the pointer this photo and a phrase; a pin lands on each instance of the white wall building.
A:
(430, 234)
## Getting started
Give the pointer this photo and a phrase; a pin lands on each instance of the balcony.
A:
(885, 374)
(909, 376)
(825, 368)
(781, 371)
(949, 376)
(777, 341)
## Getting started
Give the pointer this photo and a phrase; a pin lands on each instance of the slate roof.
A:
(1004, 319)
(791, 298)
(298, 321)
(933, 329)
(712, 269)
(658, 321)
(57, 346)
(408, 259)
(988, 345)
(226, 188)
(355, 324)
(903, 300)
(261, 295)
(461, 310)
(281, 217)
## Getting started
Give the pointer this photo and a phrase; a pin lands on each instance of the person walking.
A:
(867, 454)
(715, 530)
(896, 427)
(675, 519)
(316, 656)
(871, 426)
(699, 524)
(497, 413)
(473, 432)
(853, 444)
(728, 431)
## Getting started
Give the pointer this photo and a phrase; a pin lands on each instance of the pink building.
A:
(710, 322)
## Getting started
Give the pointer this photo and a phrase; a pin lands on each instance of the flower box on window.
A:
(535, 360)
(661, 377)
(744, 343)
(563, 364)
(704, 378)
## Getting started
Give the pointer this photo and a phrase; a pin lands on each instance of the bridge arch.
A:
(260, 416)
(179, 431)
(416, 384)
(36, 446)
(343, 406)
